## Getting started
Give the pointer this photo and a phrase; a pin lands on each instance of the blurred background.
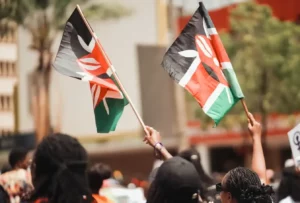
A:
(262, 39)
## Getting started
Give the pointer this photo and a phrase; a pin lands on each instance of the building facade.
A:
(8, 78)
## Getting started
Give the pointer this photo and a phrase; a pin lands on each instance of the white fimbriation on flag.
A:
(294, 138)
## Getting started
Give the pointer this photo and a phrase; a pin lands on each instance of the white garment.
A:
(124, 195)
(287, 200)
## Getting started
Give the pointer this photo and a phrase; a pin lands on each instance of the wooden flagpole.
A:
(113, 71)
(246, 110)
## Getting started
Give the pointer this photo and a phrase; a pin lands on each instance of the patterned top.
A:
(16, 183)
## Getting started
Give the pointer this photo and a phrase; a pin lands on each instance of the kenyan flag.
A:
(108, 107)
(197, 60)
(81, 57)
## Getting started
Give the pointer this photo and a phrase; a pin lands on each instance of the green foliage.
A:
(44, 18)
(265, 54)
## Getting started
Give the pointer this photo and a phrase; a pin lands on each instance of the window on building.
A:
(7, 68)
(8, 32)
(1, 102)
(6, 103)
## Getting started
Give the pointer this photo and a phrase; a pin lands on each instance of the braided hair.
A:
(245, 186)
(59, 170)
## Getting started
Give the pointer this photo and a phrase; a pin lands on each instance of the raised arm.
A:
(154, 140)
(258, 158)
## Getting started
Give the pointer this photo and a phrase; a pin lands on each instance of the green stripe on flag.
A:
(107, 121)
(108, 112)
(220, 103)
(232, 80)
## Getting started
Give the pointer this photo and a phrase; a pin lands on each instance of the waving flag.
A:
(81, 57)
(197, 60)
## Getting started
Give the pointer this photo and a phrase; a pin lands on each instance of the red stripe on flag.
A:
(209, 57)
(201, 85)
(219, 48)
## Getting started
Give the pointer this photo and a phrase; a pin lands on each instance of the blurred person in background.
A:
(19, 158)
(96, 175)
(289, 186)
(58, 170)
(193, 156)
(16, 182)
(176, 181)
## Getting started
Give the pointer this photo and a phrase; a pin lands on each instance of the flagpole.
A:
(246, 109)
(113, 71)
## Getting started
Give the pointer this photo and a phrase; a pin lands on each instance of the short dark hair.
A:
(245, 186)
(16, 156)
(97, 174)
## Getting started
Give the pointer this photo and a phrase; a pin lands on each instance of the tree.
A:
(264, 52)
(43, 19)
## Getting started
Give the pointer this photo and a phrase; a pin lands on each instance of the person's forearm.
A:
(258, 159)
(165, 154)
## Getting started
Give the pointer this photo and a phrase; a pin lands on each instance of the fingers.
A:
(150, 129)
(251, 118)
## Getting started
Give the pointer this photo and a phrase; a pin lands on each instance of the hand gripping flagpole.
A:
(113, 71)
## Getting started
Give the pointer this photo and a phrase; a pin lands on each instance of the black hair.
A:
(245, 186)
(193, 156)
(4, 197)
(16, 156)
(97, 174)
(59, 170)
(176, 181)
(160, 194)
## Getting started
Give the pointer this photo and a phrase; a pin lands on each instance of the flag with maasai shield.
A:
(197, 60)
(80, 57)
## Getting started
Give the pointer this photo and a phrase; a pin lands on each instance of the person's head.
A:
(241, 185)
(59, 170)
(176, 181)
(193, 156)
(96, 175)
(19, 158)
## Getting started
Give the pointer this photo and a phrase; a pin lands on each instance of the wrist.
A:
(256, 137)
(158, 146)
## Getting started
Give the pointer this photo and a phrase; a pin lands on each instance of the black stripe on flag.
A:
(175, 64)
(70, 49)
(206, 16)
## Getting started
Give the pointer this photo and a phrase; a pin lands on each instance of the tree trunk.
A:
(40, 83)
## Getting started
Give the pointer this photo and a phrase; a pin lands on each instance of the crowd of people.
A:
(58, 172)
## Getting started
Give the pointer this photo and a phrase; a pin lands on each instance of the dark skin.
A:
(24, 164)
